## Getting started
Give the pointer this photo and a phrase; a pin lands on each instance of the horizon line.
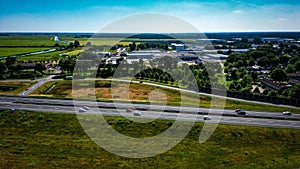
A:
(254, 31)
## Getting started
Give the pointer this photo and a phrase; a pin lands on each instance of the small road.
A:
(39, 83)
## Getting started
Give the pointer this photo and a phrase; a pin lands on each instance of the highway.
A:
(191, 110)
(265, 119)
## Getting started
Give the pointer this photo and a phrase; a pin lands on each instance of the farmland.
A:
(13, 51)
(27, 41)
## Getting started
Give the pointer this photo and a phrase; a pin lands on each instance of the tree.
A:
(238, 87)
(251, 62)
(246, 90)
(257, 40)
(294, 91)
(254, 76)
(247, 81)
(71, 45)
(88, 44)
(297, 66)
(256, 90)
(231, 86)
(273, 93)
(19, 68)
(266, 92)
(242, 72)
(278, 74)
(39, 67)
(10, 60)
(290, 69)
(76, 44)
(132, 46)
(234, 75)
(3, 69)
(294, 59)
(284, 59)
(264, 61)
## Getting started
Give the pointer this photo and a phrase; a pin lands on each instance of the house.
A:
(293, 75)
(270, 84)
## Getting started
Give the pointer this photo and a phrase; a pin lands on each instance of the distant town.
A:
(257, 66)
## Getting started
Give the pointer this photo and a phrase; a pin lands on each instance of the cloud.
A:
(238, 12)
(282, 19)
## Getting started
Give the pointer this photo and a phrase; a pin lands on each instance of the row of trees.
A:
(142, 46)
(11, 69)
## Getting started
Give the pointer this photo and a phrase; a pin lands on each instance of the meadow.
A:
(13, 51)
(56, 140)
(27, 41)
(41, 57)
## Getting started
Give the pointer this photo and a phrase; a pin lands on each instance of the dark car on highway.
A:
(240, 112)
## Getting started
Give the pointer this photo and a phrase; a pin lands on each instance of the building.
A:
(56, 39)
(177, 47)
(189, 58)
(271, 40)
(211, 40)
(270, 84)
(139, 56)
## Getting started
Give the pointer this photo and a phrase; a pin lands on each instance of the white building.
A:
(177, 47)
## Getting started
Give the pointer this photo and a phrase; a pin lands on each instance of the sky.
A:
(94, 15)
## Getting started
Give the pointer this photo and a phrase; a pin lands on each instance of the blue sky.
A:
(92, 15)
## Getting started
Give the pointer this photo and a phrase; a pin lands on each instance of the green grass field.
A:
(27, 40)
(41, 57)
(13, 51)
(55, 140)
(139, 93)
(98, 41)
(18, 86)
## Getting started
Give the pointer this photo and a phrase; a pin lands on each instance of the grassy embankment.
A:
(52, 140)
(139, 93)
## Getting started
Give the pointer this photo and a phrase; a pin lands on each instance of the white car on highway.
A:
(137, 113)
(81, 110)
(206, 117)
(286, 113)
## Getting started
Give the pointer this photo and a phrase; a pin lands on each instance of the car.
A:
(206, 118)
(85, 107)
(81, 110)
(128, 110)
(240, 112)
(286, 113)
(136, 113)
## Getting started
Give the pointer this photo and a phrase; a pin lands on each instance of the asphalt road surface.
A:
(67, 106)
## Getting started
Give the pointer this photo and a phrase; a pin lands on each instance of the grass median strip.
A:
(139, 93)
